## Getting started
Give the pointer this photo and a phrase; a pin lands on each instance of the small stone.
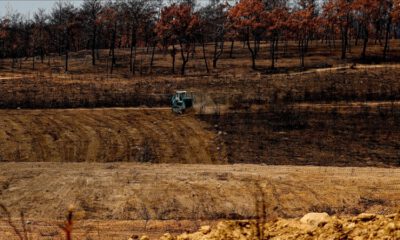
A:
(391, 227)
(167, 236)
(350, 226)
(205, 229)
(392, 216)
(366, 217)
(183, 236)
(144, 238)
(315, 219)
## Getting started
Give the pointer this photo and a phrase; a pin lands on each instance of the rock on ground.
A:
(311, 226)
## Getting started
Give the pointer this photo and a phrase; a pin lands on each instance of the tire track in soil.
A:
(119, 136)
(105, 135)
(165, 137)
(93, 140)
(70, 146)
(178, 150)
(204, 148)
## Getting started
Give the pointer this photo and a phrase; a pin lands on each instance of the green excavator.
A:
(182, 101)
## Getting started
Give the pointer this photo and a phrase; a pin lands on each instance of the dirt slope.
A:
(313, 134)
(117, 197)
(139, 191)
(106, 135)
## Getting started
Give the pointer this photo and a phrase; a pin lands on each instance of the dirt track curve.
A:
(106, 135)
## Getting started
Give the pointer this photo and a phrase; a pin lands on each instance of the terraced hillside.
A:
(106, 135)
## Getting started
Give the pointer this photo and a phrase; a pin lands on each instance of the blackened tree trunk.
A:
(387, 34)
(66, 59)
(345, 33)
(152, 56)
(205, 56)
(357, 36)
(218, 50)
(231, 52)
(1, 55)
(112, 46)
(302, 49)
(94, 45)
(33, 56)
(173, 55)
(185, 53)
(363, 54)
(252, 52)
(132, 58)
(273, 47)
(33, 62)
(67, 45)
(42, 54)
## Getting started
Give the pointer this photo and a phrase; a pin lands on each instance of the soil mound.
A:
(363, 226)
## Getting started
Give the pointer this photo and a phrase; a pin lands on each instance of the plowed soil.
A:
(106, 135)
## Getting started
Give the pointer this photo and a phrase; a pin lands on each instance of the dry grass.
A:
(313, 134)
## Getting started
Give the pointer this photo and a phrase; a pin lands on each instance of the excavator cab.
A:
(181, 101)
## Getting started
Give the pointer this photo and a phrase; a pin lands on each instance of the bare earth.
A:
(116, 198)
(106, 135)
(311, 226)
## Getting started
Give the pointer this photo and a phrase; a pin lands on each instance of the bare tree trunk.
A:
(33, 61)
(1, 57)
(173, 54)
(344, 43)
(113, 39)
(357, 36)
(231, 52)
(385, 49)
(185, 59)
(132, 57)
(218, 50)
(273, 45)
(302, 48)
(205, 57)
(363, 54)
(42, 54)
(152, 57)
(66, 60)
(66, 51)
(252, 53)
(94, 46)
